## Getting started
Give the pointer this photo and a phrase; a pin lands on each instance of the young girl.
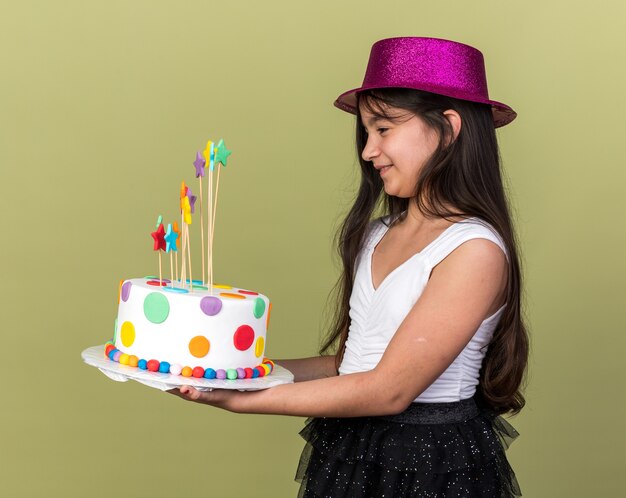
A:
(431, 346)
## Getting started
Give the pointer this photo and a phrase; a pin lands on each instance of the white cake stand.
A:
(94, 356)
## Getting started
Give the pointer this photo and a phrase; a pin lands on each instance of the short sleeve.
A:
(461, 232)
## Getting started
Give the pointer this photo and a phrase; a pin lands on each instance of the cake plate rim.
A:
(94, 356)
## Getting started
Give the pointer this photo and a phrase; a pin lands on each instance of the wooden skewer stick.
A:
(202, 229)
(183, 271)
(176, 265)
(172, 268)
(209, 231)
(189, 257)
(211, 264)
(217, 189)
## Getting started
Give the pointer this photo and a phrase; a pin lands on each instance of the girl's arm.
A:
(457, 298)
(317, 367)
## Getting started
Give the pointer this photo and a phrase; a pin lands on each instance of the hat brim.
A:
(502, 113)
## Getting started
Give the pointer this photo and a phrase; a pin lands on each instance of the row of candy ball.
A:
(116, 355)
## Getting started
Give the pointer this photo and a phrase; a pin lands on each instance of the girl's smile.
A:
(382, 169)
(398, 147)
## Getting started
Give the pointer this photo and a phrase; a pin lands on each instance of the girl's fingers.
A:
(186, 392)
(216, 397)
(191, 393)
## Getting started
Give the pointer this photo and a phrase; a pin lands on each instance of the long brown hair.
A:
(466, 175)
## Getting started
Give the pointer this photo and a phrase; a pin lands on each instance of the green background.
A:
(102, 107)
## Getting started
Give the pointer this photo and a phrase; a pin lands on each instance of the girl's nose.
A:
(370, 151)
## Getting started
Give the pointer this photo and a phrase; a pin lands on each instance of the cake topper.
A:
(200, 164)
(177, 232)
(219, 154)
(183, 192)
(159, 243)
(186, 210)
(209, 155)
(222, 153)
(170, 239)
(178, 236)
(185, 222)
(192, 200)
(158, 236)
(170, 246)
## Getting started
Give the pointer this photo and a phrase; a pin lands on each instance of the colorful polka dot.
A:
(180, 290)
(199, 346)
(199, 287)
(244, 337)
(156, 307)
(210, 305)
(195, 282)
(128, 334)
(156, 283)
(259, 307)
(115, 331)
(232, 296)
(221, 286)
(259, 347)
(125, 294)
(248, 293)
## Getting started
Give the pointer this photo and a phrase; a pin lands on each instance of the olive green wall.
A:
(102, 107)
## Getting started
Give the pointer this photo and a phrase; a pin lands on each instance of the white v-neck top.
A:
(376, 314)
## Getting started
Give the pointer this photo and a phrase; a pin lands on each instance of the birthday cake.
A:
(191, 332)
(188, 327)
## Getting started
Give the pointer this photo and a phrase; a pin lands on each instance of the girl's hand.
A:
(220, 398)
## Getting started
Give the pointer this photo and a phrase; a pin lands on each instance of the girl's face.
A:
(398, 148)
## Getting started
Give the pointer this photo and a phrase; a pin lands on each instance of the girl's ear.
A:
(454, 119)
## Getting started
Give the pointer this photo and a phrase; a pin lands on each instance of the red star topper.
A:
(159, 238)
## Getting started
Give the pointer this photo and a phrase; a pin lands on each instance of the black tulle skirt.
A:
(431, 450)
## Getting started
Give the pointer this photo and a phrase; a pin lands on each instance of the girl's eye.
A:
(382, 130)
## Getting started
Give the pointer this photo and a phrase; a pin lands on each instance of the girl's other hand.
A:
(220, 398)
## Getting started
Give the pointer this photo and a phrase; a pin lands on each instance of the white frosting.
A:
(170, 340)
